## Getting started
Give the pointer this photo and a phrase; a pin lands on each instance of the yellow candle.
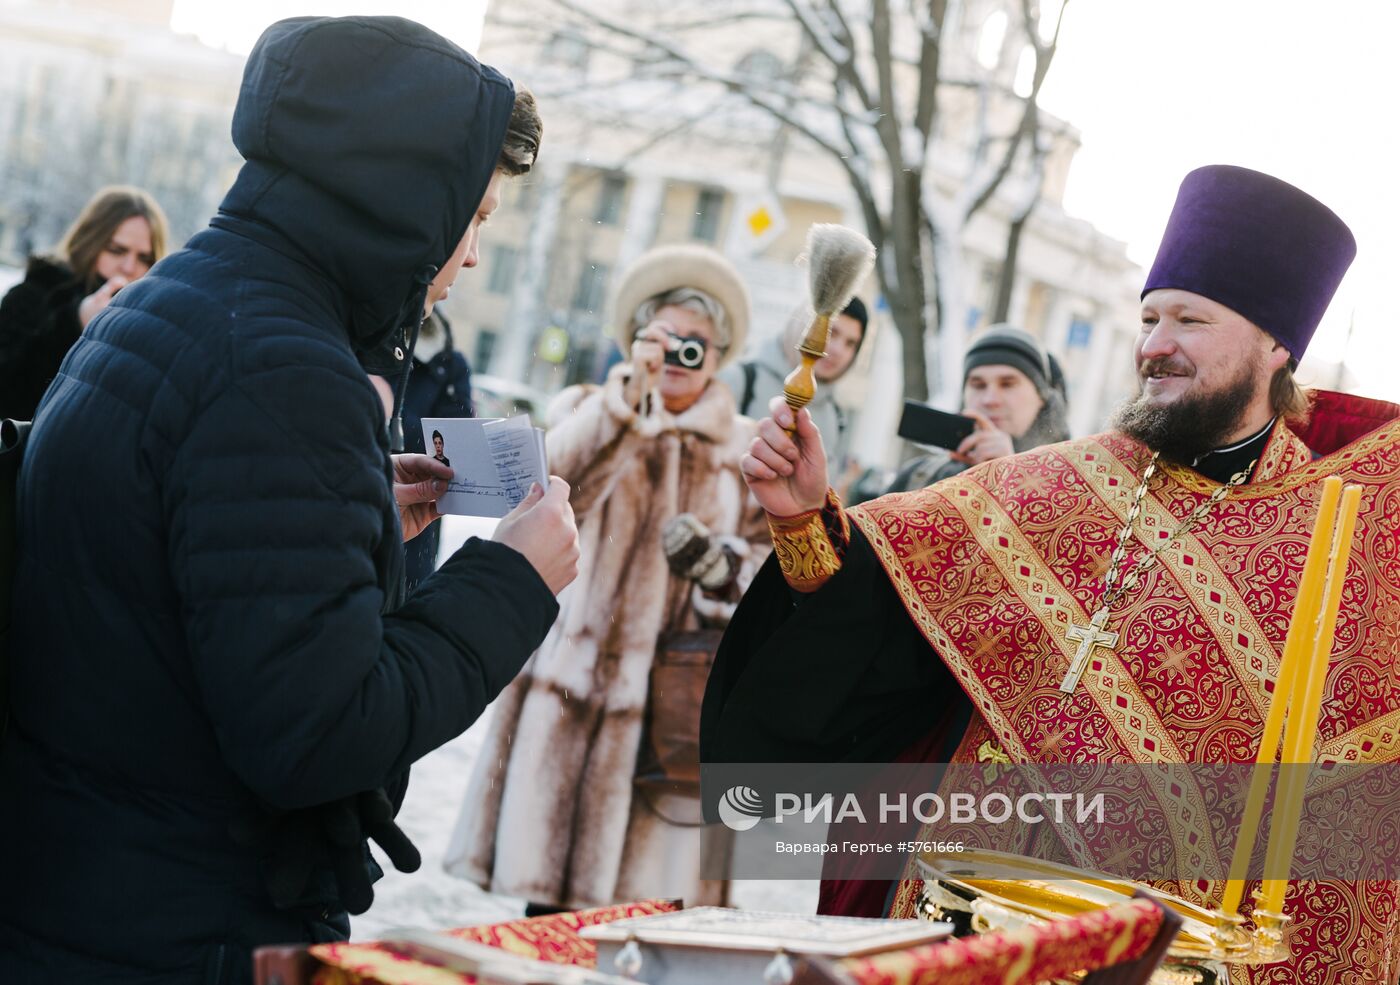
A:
(1298, 641)
(1298, 743)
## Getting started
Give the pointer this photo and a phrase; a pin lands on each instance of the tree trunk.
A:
(908, 317)
(945, 252)
(907, 300)
(1006, 281)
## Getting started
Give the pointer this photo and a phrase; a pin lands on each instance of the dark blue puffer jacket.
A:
(210, 553)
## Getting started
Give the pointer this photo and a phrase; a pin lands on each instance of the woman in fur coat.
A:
(118, 236)
(551, 813)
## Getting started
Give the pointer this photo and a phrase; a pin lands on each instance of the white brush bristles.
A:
(838, 259)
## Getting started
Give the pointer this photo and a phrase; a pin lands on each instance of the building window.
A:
(1081, 331)
(707, 210)
(610, 192)
(588, 296)
(990, 39)
(502, 276)
(568, 51)
(759, 65)
(485, 349)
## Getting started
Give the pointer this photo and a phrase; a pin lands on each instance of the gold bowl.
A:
(999, 891)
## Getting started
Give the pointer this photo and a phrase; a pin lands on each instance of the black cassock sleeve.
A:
(840, 675)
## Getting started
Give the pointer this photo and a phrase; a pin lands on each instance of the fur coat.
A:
(549, 814)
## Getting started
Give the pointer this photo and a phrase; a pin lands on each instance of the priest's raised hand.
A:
(786, 473)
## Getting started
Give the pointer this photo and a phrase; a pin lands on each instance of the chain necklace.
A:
(1095, 635)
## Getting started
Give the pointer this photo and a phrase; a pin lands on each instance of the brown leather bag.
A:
(669, 759)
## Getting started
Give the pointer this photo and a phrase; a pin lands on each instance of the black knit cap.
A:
(856, 309)
(1005, 345)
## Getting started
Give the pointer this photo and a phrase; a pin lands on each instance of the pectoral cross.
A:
(1089, 637)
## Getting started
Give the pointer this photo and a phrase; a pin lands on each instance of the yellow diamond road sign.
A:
(760, 220)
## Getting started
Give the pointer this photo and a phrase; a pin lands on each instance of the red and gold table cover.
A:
(1041, 953)
(552, 938)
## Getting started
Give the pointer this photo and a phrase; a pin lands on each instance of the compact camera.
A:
(690, 354)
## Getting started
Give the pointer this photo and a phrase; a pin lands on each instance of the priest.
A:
(1121, 598)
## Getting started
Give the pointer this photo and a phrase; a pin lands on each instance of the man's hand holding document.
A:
(494, 462)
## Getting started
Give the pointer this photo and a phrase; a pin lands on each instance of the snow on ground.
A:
(432, 898)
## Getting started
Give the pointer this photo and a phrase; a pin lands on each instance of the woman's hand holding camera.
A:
(648, 356)
(650, 346)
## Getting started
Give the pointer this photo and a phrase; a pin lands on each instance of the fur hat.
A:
(666, 268)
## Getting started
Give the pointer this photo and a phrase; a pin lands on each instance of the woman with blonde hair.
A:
(583, 794)
(116, 239)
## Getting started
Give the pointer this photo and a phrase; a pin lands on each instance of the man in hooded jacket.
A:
(756, 380)
(214, 676)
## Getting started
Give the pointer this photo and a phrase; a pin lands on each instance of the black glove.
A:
(296, 845)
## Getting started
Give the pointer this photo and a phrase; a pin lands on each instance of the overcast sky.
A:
(1302, 90)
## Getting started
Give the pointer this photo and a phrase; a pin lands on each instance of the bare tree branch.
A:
(851, 70)
(888, 125)
(564, 88)
(1030, 116)
(874, 222)
(652, 42)
(732, 83)
(848, 94)
(724, 20)
(688, 66)
(823, 40)
(651, 143)
(839, 51)
(930, 50)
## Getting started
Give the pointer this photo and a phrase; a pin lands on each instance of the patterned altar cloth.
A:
(1088, 941)
(553, 938)
(1046, 952)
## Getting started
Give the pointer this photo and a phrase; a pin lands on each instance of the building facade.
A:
(95, 92)
(99, 92)
(634, 158)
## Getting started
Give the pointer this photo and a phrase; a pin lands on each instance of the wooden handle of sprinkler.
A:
(801, 384)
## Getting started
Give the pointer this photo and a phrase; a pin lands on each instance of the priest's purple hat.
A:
(1257, 245)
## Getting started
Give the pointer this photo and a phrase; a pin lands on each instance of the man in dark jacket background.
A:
(213, 671)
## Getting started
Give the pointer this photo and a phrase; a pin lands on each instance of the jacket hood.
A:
(369, 142)
(1051, 424)
(799, 320)
(778, 357)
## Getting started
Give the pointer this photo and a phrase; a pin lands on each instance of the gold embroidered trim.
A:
(1191, 565)
(1336, 463)
(804, 548)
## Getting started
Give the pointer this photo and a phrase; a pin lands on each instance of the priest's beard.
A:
(1187, 428)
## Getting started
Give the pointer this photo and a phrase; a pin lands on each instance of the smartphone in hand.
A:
(925, 425)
